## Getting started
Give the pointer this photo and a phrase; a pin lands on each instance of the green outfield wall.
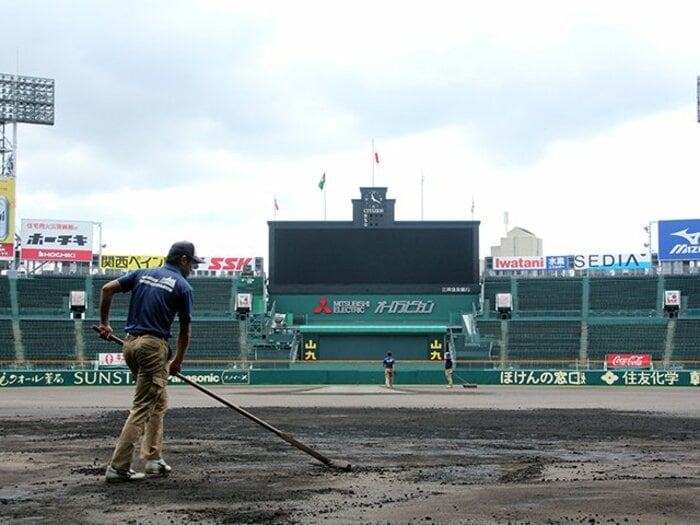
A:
(254, 377)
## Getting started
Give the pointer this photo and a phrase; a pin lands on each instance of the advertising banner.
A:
(225, 264)
(47, 240)
(679, 240)
(111, 359)
(114, 377)
(7, 218)
(612, 261)
(130, 262)
(212, 378)
(137, 262)
(628, 360)
(531, 263)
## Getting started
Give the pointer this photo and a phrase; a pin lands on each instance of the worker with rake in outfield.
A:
(157, 295)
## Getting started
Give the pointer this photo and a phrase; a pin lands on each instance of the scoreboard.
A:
(404, 257)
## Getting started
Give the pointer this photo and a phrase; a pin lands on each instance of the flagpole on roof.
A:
(322, 187)
(422, 183)
(373, 153)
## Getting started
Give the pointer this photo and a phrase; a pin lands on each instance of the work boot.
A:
(118, 475)
(157, 467)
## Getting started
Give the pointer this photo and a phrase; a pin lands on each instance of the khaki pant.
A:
(389, 377)
(448, 376)
(147, 358)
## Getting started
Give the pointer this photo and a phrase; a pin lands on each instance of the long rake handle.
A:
(289, 439)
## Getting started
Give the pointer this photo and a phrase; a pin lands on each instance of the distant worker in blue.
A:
(449, 365)
(389, 369)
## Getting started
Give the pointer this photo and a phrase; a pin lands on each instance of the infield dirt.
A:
(410, 465)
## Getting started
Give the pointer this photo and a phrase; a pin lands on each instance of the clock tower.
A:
(373, 209)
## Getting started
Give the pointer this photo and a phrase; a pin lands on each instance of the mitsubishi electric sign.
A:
(401, 307)
(679, 240)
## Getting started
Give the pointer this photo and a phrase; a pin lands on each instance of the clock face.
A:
(374, 199)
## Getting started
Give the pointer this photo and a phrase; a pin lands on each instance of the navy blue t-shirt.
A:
(448, 361)
(157, 295)
(389, 362)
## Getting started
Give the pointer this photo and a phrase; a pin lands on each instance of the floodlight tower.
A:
(28, 100)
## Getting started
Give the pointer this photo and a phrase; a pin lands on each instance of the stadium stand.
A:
(490, 330)
(48, 341)
(615, 337)
(492, 287)
(624, 296)
(547, 296)
(689, 285)
(537, 340)
(120, 301)
(550, 321)
(213, 296)
(7, 348)
(46, 295)
(212, 341)
(686, 340)
(5, 297)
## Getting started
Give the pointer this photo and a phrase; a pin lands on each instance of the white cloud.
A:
(178, 120)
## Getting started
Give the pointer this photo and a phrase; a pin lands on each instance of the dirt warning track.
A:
(419, 455)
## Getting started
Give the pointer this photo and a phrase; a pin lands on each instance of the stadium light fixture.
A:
(26, 99)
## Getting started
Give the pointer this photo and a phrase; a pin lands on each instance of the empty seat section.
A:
(550, 295)
(493, 287)
(47, 294)
(120, 301)
(212, 342)
(48, 341)
(686, 340)
(212, 296)
(689, 285)
(7, 341)
(491, 331)
(623, 296)
(544, 340)
(627, 338)
(5, 299)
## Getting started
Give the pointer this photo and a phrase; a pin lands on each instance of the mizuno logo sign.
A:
(692, 238)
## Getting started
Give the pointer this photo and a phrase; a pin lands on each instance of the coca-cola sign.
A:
(628, 360)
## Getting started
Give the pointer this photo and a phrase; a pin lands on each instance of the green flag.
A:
(322, 182)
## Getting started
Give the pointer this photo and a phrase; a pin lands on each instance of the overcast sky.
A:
(185, 120)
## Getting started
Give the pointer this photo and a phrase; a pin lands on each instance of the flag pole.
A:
(422, 183)
(324, 198)
(373, 162)
(274, 209)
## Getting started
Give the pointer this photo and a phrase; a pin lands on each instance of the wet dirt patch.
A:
(409, 466)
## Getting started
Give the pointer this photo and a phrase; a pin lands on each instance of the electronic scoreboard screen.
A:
(424, 257)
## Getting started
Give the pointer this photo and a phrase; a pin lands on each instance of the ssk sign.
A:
(225, 263)
(628, 360)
